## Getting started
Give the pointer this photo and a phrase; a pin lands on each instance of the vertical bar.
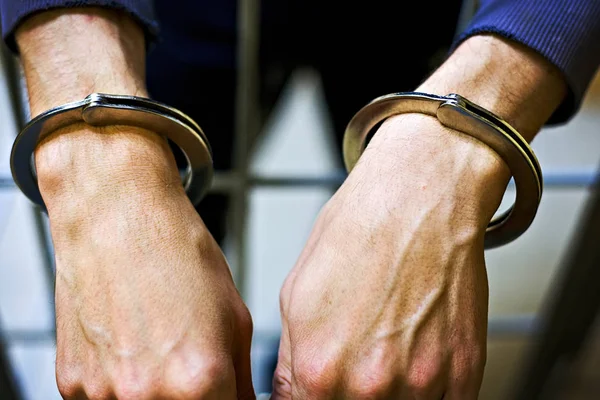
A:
(570, 311)
(13, 77)
(8, 386)
(246, 125)
(467, 12)
(17, 100)
(6, 183)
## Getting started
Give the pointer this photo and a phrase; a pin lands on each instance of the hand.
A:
(146, 306)
(389, 297)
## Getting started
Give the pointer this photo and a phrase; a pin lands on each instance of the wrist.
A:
(110, 189)
(66, 55)
(82, 166)
(428, 162)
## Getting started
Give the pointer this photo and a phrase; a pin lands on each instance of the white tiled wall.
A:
(296, 142)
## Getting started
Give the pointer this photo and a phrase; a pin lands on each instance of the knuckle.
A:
(201, 379)
(134, 383)
(370, 385)
(132, 389)
(316, 377)
(68, 381)
(69, 390)
(374, 377)
(424, 375)
(95, 390)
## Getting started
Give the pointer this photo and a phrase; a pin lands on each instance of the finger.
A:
(426, 394)
(282, 380)
(194, 375)
(453, 394)
(97, 384)
(468, 391)
(464, 385)
(74, 394)
(427, 377)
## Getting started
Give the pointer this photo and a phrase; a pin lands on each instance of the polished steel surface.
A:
(464, 116)
(107, 110)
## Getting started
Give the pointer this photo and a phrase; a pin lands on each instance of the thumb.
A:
(282, 380)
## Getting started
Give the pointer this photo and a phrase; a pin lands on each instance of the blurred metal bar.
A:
(226, 182)
(246, 124)
(9, 390)
(30, 336)
(229, 182)
(18, 106)
(571, 309)
(570, 179)
(7, 183)
(13, 79)
(508, 326)
(517, 326)
(467, 11)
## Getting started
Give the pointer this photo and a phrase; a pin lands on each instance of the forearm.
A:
(564, 32)
(504, 77)
(68, 54)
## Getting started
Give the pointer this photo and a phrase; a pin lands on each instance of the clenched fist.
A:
(145, 303)
(389, 298)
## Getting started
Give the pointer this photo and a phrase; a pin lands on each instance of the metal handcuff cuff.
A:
(460, 114)
(106, 110)
(452, 111)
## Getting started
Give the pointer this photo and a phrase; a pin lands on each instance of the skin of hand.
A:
(145, 302)
(389, 298)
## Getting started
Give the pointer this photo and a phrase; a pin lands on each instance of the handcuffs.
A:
(106, 110)
(452, 111)
(460, 114)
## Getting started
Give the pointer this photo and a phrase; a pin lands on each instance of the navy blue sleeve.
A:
(565, 32)
(12, 12)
